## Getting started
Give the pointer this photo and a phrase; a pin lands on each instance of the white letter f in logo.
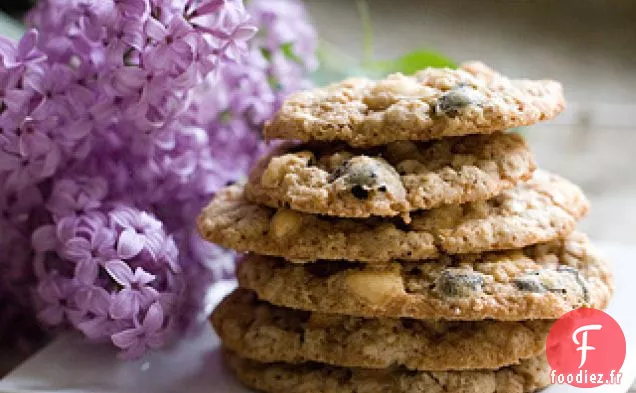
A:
(584, 347)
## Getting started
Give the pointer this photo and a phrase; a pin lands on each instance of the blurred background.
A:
(590, 46)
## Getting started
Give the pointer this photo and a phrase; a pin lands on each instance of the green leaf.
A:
(274, 83)
(336, 64)
(267, 54)
(412, 62)
(288, 51)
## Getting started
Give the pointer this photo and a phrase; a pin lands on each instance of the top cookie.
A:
(338, 180)
(545, 208)
(433, 103)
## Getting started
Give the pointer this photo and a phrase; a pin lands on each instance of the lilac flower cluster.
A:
(118, 121)
(109, 271)
(280, 56)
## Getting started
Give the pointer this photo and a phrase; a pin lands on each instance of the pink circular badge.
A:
(586, 348)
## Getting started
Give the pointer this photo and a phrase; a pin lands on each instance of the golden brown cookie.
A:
(528, 376)
(260, 331)
(433, 103)
(538, 282)
(545, 208)
(338, 180)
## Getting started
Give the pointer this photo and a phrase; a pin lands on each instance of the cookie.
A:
(528, 376)
(538, 282)
(545, 208)
(432, 104)
(338, 180)
(257, 330)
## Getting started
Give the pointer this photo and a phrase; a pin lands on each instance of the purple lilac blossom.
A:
(107, 270)
(119, 119)
(281, 55)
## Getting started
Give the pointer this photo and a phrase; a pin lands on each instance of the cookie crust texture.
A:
(529, 376)
(337, 180)
(543, 281)
(545, 208)
(432, 104)
(257, 330)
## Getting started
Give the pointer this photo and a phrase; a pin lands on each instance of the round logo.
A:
(586, 348)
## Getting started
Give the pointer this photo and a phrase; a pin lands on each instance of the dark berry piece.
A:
(359, 192)
(459, 283)
(454, 101)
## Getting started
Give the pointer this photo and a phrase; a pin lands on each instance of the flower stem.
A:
(367, 30)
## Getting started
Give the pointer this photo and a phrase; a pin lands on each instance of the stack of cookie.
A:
(405, 243)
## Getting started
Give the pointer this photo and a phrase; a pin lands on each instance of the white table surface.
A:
(70, 365)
